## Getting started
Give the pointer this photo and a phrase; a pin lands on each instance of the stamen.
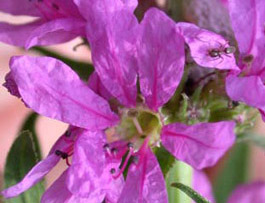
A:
(124, 164)
(67, 161)
(55, 6)
(112, 171)
(114, 151)
(67, 133)
(132, 113)
(135, 159)
(130, 145)
(63, 155)
(106, 147)
(137, 125)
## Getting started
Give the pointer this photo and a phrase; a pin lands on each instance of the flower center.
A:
(136, 125)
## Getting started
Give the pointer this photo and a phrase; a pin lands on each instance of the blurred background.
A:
(13, 113)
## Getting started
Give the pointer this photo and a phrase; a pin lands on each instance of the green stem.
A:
(180, 172)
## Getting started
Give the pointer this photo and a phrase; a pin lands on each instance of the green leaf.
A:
(234, 172)
(190, 192)
(84, 70)
(23, 155)
(165, 159)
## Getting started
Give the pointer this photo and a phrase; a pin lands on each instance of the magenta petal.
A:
(201, 42)
(145, 181)
(202, 185)
(103, 7)
(58, 192)
(250, 90)
(11, 85)
(247, 19)
(253, 192)
(52, 89)
(19, 7)
(34, 176)
(17, 35)
(200, 145)
(89, 175)
(97, 86)
(56, 31)
(161, 58)
(113, 53)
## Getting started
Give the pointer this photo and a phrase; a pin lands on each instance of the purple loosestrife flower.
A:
(251, 192)
(122, 50)
(248, 22)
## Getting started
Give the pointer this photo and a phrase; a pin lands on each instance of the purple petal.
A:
(56, 31)
(89, 174)
(58, 192)
(201, 42)
(202, 185)
(113, 53)
(253, 192)
(145, 181)
(19, 7)
(11, 85)
(249, 90)
(17, 35)
(52, 89)
(161, 58)
(200, 145)
(103, 7)
(247, 19)
(97, 86)
(33, 177)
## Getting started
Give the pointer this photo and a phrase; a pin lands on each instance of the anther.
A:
(143, 136)
(114, 151)
(112, 171)
(132, 113)
(248, 58)
(130, 145)
(124, 164)
(235, 103)
(135, 159)
(63, 155)
(55, 6)
(140, 99)
(67, 133)
(106, 146)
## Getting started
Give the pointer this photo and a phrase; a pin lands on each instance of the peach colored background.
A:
(13, 112)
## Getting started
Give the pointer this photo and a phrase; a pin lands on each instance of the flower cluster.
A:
(116, 118)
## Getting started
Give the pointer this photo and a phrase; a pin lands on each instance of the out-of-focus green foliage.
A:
(235, 172)
(23, 155)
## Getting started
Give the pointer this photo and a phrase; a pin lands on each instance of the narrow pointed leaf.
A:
(190, 192)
